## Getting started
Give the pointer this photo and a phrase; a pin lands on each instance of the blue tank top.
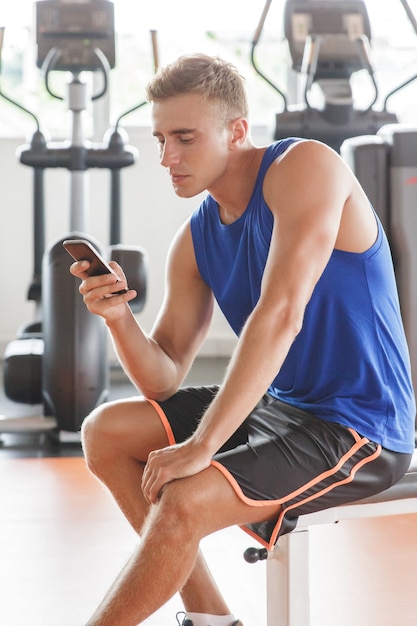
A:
(350, 362)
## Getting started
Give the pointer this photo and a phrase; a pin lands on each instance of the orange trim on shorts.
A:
(360, 442)
(345, 481)
(165, 423)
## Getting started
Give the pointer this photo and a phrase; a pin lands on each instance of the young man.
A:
(316, 407)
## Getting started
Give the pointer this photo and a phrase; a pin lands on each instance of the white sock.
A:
(203, 619)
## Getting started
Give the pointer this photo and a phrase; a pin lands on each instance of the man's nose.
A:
(169, 155)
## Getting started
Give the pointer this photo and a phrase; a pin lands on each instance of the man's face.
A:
(193, 142)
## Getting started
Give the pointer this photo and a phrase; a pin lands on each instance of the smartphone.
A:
(82, 250)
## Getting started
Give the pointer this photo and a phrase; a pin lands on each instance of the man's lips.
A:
(178, 178)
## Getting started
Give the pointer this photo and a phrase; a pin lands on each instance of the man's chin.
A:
(181, 192)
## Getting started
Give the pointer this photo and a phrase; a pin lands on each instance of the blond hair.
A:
(211, 77)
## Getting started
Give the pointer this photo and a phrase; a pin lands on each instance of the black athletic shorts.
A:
(283, 455)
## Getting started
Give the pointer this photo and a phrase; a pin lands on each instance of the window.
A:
(223, 27)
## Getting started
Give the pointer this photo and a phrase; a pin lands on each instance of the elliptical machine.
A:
(328, 41)
(60, 359)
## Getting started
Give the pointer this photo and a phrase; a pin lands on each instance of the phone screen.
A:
(82, 250)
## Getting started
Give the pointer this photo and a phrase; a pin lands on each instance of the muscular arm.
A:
(157, 363)
(308, 191)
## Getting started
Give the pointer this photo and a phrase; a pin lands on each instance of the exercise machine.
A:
(60, 358)
(328, 41)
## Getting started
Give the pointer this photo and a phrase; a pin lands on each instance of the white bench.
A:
(288, 565)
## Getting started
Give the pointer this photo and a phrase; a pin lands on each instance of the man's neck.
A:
(234, 191)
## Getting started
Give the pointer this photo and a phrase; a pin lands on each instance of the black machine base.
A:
(311, 123)
(22, 370)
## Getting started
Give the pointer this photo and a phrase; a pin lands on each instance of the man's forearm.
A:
(148, 366)
(260, 352)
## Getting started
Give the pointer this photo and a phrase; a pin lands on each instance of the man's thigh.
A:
(130, 426)
(210, 503)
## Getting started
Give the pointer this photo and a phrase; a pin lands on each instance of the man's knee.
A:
(96, 434)
(177, 509)
(187, 508)
(94, 424)
(121, 429)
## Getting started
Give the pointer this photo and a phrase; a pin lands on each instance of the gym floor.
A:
(63, 540)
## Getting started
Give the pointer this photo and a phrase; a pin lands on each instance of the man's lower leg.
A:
(157, 570)
(121, 473)
(200, 593)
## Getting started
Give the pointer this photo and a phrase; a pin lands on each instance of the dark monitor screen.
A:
(338, 24)
(76, 29)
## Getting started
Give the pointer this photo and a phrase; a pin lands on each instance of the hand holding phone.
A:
(82, 250)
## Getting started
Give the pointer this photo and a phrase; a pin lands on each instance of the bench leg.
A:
(288, 581)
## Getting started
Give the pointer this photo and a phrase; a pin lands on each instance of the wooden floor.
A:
(63, 540)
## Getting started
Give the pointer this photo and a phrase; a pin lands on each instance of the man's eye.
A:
(159, 143)
(186, 139)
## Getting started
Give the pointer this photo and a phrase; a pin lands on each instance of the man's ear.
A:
(239, 129)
